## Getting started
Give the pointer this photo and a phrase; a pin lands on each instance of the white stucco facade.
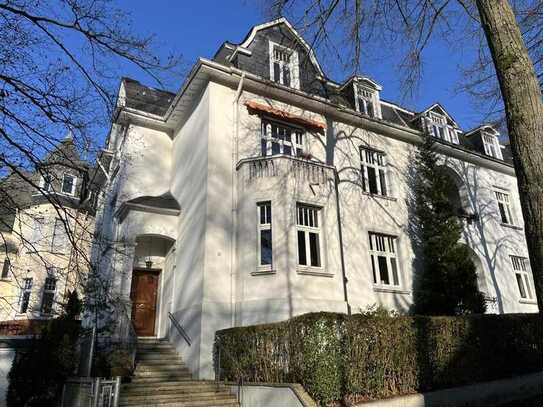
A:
(204, 154)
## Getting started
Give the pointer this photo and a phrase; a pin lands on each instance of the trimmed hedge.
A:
(373, 356)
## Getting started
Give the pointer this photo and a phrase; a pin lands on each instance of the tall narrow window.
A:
(491, 145)
(384, 265)
(35, 240)
(60, 239)
(48, 296)
(520, 267)
(308, 231)
(281, 139)
(68, 184)
(365, 102)
(6, 268)
(26, 290)
(283, 65)
(504, 206)
(373, 169)
(265, 246)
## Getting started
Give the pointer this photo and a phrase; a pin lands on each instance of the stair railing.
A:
(179, 328)
(238, 375)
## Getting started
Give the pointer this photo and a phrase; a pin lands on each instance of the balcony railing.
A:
(282, 165)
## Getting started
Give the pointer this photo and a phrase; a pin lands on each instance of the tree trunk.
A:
(524, 112)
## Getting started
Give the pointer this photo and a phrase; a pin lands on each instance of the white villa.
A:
(262, 190)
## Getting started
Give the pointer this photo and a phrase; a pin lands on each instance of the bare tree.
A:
(60, 68)
(507, 32)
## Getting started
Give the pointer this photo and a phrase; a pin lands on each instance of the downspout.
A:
(341, 252)
(233, 239)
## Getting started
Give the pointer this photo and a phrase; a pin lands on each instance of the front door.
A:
(143, 295)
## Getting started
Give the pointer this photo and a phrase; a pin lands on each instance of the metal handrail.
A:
(180, 329)
(238, 374)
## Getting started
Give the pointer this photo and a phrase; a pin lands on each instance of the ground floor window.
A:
(522, 275)
(48, 296)
(25, 295)
(308, 234)
(265, 246)
(384, 263)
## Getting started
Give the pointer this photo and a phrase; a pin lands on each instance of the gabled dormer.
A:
(439, 124)
(486, 139)
(275, 51)
(363, 95)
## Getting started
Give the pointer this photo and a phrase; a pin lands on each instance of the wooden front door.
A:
(144, 295)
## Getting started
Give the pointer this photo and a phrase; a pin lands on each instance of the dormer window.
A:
(284, 66)
(68, 184)
(46, 183)
(366, 102)
(492, 145)
(440, 129)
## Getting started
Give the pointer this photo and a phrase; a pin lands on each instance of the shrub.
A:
(39, 371)
(373, 356)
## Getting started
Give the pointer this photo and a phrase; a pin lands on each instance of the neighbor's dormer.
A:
(486, 139)
(439, 124)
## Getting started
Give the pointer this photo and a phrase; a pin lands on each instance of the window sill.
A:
(313, 271)
(395, 290)
(508, 225)
(263, 272)
(527, 301)
(388, 198)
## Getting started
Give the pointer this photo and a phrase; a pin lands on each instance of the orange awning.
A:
(256, 108)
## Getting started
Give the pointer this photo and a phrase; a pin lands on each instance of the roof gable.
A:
(283, 21)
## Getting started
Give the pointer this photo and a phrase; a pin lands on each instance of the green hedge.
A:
(373, 356)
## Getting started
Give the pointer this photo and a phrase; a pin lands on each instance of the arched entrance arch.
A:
(458, 195)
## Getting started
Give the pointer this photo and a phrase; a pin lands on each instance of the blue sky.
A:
(197, 28)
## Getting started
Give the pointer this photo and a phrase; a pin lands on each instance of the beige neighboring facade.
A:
(47, 232)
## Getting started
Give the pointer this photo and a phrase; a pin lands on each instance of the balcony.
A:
(311, 172)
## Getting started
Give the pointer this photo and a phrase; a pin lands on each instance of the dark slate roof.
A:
(144, 98)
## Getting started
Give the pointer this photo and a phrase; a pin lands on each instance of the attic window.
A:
(492, 146)
(366, 101)
(440, 129)
(284, 66)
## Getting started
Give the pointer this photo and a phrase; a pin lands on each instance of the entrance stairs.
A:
(161, 379)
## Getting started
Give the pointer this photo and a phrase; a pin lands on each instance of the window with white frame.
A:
(48, 295)
(284, 65)
(504, 207)
(491, 145)
(373, 170)
(35, 241)
(279, 138)
(265, 245)
(60, 238)
(384, 263)
(26, 290)
(308, 233)
(522, 275)
(6, 269)
(47, 183)
(440, 129)
(68, 184)
(366, 101)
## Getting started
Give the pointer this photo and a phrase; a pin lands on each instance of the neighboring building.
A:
(262, 190)
(44, 213)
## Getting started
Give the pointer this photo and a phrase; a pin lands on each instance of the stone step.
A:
(158, 388)
(227, 402)
(152, 340)
(172, 393)
(163, 398)
(170, 355)
(162, 378)
(170, 385)
(151, 367)
(153, 346)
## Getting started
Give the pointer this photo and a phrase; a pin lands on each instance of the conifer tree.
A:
(446, 284)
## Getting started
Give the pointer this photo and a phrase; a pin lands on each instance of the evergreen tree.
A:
(447, 281)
